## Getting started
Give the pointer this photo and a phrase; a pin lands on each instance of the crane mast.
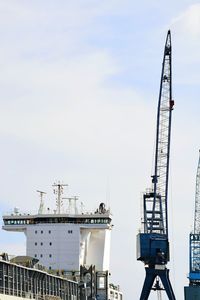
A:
(194, 275)
(197, 201)
(192, 291)
(152, 243)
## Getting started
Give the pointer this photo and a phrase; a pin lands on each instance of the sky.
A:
(79, 84)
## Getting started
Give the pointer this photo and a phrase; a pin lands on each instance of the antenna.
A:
(82, 208)
(108, 193)
(58, 190)
(70, 199)
(41, 208)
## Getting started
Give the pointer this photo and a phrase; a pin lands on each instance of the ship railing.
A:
(14, 292)
(22, 294)
(30, 295)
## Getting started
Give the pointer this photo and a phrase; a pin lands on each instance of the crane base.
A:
(192, 292)
(151, 274)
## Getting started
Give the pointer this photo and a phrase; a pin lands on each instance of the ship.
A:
(67, 253)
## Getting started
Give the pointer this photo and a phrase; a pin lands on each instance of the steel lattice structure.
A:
(197, 201)
(155, 208)
(153, 244)
(194, 275)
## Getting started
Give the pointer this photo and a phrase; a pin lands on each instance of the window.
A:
(35, 255)
(35, 231)
(41, 244)
(49, 268)
(35, 244)
(49, 231)
(50, 255)
(41, 255)
(41, 231)
(101, 282)
(69, 231)
(50, 243)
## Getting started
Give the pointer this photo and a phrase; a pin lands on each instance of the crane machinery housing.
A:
(192, 291)
(152, 241)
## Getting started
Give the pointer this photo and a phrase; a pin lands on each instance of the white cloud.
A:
(187, 23)
(66, 115)
(186, 41)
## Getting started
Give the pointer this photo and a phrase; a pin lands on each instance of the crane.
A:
(194, 244)
(152, 241)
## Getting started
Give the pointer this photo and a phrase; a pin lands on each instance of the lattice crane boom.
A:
(163, 134)
(194, 274)
(153, 245)
(197, 201)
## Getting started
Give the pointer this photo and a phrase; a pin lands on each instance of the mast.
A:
(58, 189)
(41, 208)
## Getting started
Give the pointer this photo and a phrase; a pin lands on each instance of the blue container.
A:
(152, 248)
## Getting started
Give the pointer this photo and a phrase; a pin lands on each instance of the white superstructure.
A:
(65, 240)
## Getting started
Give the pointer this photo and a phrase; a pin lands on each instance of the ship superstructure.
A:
(73, 243)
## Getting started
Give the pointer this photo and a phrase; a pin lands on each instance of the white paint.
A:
(8, 297)
(66, 246)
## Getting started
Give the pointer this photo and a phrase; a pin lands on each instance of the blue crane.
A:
(193, 291)
(194, 275)
(152, 241)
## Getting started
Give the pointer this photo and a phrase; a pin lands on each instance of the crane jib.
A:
(163, 133)
(152, 242)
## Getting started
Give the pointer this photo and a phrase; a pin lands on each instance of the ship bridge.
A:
(16, 222)
(65, 240)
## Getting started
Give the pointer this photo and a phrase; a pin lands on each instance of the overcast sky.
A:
(79, 83)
